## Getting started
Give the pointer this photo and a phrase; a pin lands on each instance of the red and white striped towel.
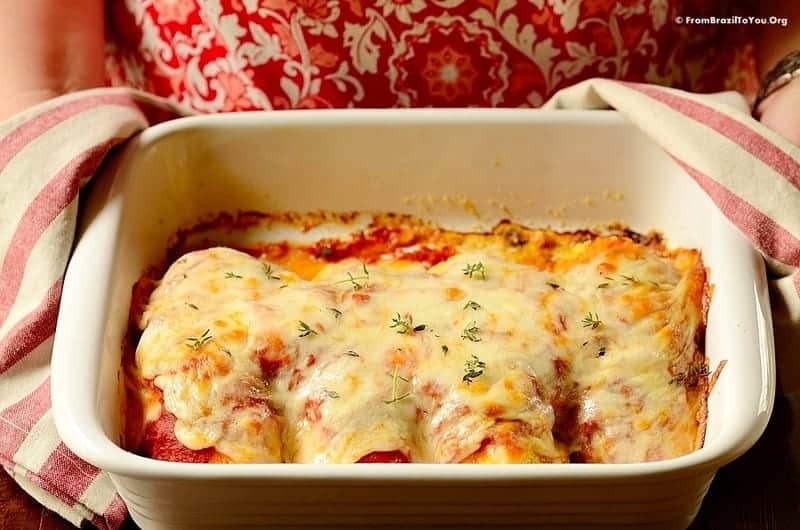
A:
(50, 151)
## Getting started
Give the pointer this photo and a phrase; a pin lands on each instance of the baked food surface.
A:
(404, 342)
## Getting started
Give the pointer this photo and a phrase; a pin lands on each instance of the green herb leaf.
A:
(472, 269)
(192, 306)
(304, 329)
(473, 369)
(269, 273)
(472, 304)
(601, 351)
(331, 394)
(196, 343)
(356, 281)
(404, 326)
(470, 332)
(554, 285)
(445, 349)
(591, 321)
(229, 275)
(336, 313)
(351, 353)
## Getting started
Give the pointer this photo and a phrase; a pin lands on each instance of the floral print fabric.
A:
(226, 55)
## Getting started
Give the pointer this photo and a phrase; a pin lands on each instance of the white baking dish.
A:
(568, 169)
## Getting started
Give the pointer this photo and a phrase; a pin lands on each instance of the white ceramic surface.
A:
(564, 168)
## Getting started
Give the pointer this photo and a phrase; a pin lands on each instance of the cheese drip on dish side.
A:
(485, 357)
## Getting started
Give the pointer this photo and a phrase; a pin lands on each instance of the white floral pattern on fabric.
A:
(224, 55)
(402, 9)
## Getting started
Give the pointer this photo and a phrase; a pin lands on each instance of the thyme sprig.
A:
(470, 332)
(401, 325)
(626, 280)
(196, 343)
(268, 272)
(356, 280)
(472, 304)
(229, 275)
(304, 329)
(591, 321)
(473, 368)
(404, 326)
(471, 269)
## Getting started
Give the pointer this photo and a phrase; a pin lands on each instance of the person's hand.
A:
(781, 111)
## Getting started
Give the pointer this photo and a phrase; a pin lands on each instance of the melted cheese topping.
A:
(492, 355)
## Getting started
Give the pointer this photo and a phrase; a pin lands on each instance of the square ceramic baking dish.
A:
(562, 168)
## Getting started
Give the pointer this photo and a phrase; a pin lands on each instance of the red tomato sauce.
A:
(385, 457)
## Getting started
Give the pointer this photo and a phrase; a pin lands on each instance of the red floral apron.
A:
(225, 55)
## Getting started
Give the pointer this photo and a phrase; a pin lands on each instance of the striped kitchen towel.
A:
(50, 151)
(46, 155)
